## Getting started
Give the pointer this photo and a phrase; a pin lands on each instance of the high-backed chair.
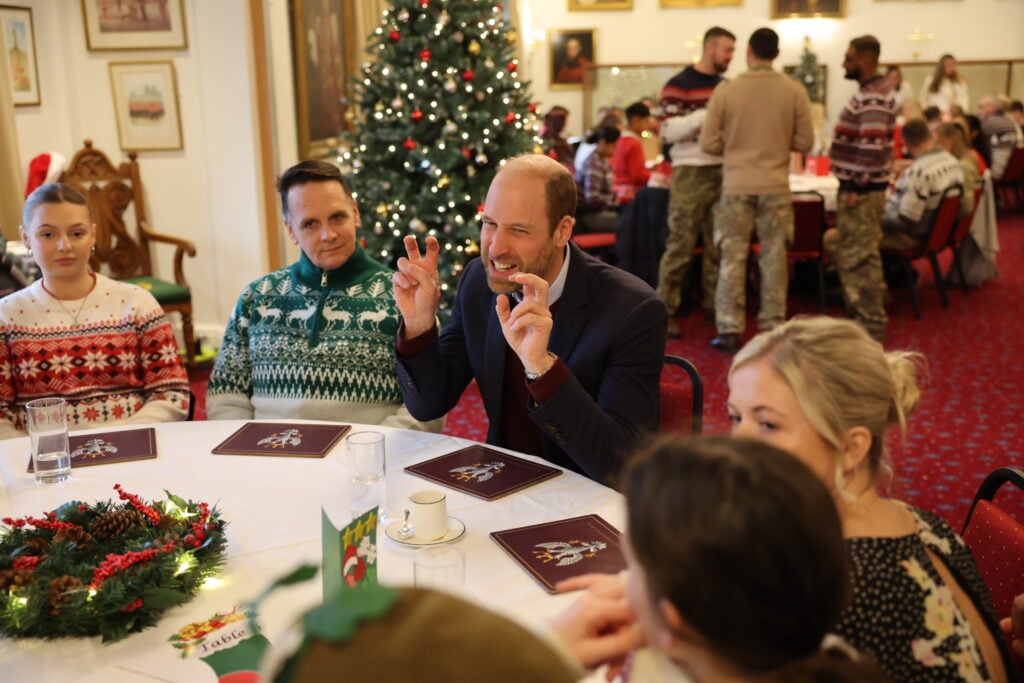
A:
(1011, 185)
(997, 540)
(809, 223)
(943, 221)
(124, 238)
(682, 403)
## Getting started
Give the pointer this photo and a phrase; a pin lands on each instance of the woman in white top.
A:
(945, 87)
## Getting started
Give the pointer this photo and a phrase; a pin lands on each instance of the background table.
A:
(273, 508)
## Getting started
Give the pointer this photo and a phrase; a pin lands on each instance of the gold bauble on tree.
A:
(472, 249)
(474, 48)
(511, 36)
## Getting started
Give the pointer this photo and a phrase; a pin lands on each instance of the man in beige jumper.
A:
(754, 121)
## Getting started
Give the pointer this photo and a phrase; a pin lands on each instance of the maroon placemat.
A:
(483, 472)
(555, 551)
(110, 447)
(282, 439)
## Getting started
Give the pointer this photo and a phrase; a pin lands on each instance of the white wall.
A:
(208, 192)
(969, 29)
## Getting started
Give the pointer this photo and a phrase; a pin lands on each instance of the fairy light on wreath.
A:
(107, 569)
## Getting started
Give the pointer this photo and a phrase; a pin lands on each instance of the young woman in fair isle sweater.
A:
(104, 346)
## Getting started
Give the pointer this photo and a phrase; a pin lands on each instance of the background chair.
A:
(682, 404)
(1011, 186)
(943, 220)
(962, 230)
(809, 223)
(119, 253)
(997, 540)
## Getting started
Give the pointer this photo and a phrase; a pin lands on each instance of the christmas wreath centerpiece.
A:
(107, 569)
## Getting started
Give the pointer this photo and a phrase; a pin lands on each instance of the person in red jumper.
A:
(629, 164)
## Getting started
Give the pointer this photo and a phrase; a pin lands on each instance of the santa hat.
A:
(45, 168)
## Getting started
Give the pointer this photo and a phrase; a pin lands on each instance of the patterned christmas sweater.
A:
(118, 364)
(862, 147)
(308, 344)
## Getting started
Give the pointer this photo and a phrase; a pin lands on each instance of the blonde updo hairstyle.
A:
(842, 378)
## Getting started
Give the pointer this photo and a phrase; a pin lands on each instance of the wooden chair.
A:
(119, 253)
(682, 404)
(943, 221)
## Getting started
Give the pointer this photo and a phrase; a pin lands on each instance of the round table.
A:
(273, 506)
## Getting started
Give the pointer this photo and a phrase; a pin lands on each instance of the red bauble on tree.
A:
(467, 152)
(394, 36)
(424, 3)
(533, 108)
(513, 65)
(425, 55)
(416, 115)
(409, 144)
(468, 75)
(510, 117)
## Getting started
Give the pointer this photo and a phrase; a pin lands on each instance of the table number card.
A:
(109, 447)
(282, 439)
(483, 472)
(555, 551)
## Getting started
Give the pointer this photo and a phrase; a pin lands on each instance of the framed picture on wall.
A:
(17, 39)
(323, 41)
(572, 51)
(584, 5)
(134, 24)
(808, 9)
(146, 105)
(691, 4)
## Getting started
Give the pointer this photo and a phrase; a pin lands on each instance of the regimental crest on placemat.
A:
(110, 447)
(556, 551)
(483, 472)
(564, 553)
(282, 439)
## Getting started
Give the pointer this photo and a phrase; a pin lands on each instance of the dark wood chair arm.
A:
(182, 247)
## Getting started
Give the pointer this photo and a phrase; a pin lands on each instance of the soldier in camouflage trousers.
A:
(735, 219)
(695, 190)
(853, 247)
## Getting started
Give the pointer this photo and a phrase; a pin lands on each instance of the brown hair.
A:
(559, 185)
(940, 73)
(916, 132)
(744, 541)
(52, 193)
(309, 171)
(867, 45)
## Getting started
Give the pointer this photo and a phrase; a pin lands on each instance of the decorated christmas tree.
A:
(810, 75)
(440, 107)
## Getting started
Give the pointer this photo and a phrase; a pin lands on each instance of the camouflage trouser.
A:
(734, 224)
(695, 191)
(855, 253)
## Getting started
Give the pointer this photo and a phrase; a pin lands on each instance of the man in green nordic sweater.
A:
(314, 340)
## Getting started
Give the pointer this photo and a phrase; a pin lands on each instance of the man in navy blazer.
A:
(567, 351)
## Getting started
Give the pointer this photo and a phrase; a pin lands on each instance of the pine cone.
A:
(15, 578)
(37, 545)
(115, 523)
(58, 587)
(76, 535)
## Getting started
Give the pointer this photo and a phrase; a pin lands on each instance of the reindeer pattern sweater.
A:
(308, 344)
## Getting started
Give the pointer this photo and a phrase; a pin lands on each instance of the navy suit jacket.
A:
(609, 329)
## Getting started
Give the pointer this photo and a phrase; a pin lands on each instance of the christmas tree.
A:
(440, 107)
(809, 74)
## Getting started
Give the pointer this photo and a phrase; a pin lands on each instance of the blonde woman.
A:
(945, 87)
(822, 389)
(103, 345)
(952, 139)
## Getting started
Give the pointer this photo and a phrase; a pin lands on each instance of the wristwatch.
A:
(533, 376)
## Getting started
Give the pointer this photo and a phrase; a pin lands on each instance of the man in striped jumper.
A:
(696, 176)
(862, 159)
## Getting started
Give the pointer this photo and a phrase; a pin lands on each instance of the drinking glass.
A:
(48, 431)
(368, 473)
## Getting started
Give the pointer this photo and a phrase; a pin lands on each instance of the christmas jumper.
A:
(862, 146)
(684, 101)
(117, 364)
(629, 166)
(309, 344)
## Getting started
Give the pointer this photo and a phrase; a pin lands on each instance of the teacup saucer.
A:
(455, 530)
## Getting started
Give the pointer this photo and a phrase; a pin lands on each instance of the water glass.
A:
(364, 453)
(441, 567)
(48, 431)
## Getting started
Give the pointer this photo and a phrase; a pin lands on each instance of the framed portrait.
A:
(808, 9)
(134, 24)
(691, 4)
(571, 52)
(323, 41)
(146, 105)
(17, 39)
(584, 5)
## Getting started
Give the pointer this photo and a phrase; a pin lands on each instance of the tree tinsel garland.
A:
(106, 569)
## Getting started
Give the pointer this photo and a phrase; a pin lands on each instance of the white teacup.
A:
(428, 514)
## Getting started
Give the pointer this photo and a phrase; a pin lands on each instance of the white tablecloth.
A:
(826, 185)
(273, 509)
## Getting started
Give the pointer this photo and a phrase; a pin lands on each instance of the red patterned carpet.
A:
(971, 416)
